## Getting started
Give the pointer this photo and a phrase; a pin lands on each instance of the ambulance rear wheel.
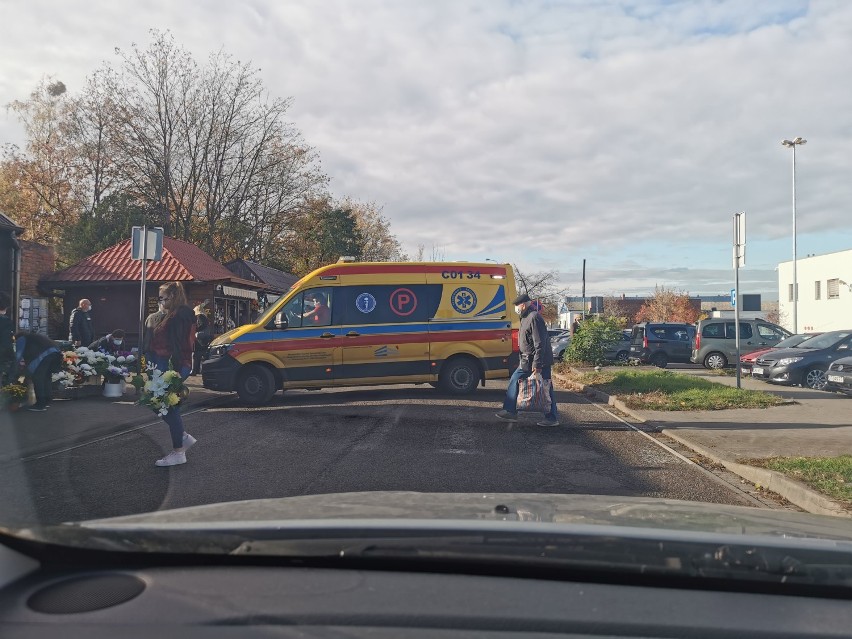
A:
(256, 384)
(460, 376)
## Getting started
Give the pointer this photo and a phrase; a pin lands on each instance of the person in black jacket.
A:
(8, 365)
(42, 357)
(82, 332)
(536, 358)
(112, 343)
(203, 337)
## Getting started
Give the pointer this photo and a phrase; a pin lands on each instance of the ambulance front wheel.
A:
(460, 376)
(256, 384)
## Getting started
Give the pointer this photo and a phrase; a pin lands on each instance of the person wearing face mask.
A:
(112, 343)
(82, 330)
(536, 358)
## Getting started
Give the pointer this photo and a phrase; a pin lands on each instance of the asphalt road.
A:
(409, 438)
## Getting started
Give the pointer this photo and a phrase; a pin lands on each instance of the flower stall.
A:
(84, 370)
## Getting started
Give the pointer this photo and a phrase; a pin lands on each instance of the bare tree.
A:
(543, 286)
(210, 148)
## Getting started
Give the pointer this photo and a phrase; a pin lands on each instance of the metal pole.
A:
(737, 312)
(737, 241)
(142, 298)
(795, 277)
(584, 289)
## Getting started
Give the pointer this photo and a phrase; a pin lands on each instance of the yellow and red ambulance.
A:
(451, 324)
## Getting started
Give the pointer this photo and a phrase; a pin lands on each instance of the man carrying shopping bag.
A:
(533, 373)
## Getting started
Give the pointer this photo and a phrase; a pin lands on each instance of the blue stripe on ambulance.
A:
(374, 329)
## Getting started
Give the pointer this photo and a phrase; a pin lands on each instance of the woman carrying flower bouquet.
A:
(172, 342)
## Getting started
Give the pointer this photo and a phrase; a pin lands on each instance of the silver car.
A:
(558, 344)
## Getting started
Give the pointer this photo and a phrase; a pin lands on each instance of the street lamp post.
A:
(792, 144)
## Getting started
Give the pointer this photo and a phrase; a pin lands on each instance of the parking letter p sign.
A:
(403, 301)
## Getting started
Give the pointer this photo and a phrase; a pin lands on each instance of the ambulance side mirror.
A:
(280, 322)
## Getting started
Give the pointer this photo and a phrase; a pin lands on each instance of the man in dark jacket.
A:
(82, 332)
(536, 358)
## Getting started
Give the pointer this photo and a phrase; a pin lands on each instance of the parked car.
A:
(619, 351)
(748, 360)
(559, 344)
(805, 364)
(838, 378)
(659, 343)
(716, 345)
(557, 332)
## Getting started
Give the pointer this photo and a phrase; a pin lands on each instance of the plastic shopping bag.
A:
(534, 394)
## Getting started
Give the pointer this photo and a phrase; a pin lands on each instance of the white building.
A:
(825, 292)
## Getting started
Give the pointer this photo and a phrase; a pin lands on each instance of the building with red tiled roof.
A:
(112, 281)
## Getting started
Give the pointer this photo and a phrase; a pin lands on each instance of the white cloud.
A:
(534, 132)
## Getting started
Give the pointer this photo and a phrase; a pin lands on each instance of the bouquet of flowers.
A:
(77, 366)
(161, 391)
(12, 394)
(119, 366)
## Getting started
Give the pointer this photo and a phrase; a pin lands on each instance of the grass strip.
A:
(665, 390)
(832, 476)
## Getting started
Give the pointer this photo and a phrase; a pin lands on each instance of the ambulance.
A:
(449, 324)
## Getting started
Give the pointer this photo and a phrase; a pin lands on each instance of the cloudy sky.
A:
(535, 132)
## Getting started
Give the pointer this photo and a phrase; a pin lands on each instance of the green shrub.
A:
(589, 344)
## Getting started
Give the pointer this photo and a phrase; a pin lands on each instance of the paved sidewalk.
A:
(71, 421)
(819, 424)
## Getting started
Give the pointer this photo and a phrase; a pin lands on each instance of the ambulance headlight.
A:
(219, 350)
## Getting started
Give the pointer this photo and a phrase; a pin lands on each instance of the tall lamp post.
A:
(792, 144)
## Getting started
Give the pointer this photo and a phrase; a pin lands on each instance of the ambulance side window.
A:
(293, 311)
(317, 307)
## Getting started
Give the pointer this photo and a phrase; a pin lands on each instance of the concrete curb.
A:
(792, 490)
(796, 492)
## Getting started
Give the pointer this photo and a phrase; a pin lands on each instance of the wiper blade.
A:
(606, 554)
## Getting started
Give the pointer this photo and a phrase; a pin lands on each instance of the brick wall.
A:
(37, 261)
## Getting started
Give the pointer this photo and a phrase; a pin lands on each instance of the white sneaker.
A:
(172, 459)
(188, 441)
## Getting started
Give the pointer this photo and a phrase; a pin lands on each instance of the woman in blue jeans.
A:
(172, 342)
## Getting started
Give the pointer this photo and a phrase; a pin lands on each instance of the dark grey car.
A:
(805, 364)
(659, 343)
(839, 376)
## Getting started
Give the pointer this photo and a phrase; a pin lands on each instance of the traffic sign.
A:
(153, 250)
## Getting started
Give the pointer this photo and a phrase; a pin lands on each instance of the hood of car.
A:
(783, 353)
(750, 357)
(595, 510)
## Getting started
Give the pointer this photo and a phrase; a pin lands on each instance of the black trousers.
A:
(41, 379)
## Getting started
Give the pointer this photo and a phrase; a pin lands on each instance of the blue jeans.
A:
(511, 401)
(172, 418)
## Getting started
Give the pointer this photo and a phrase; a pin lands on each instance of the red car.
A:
(747, 361)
